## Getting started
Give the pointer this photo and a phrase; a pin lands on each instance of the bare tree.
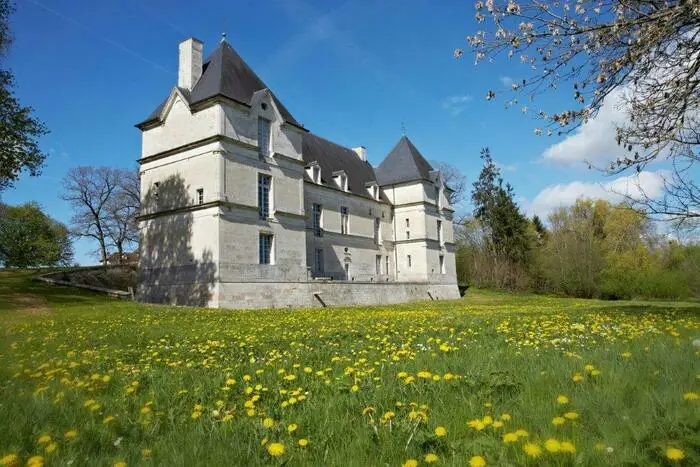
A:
(647, 51)
(121, 210)
(89, 190)
(455, 180)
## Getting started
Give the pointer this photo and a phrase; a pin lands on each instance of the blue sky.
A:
(353, 72)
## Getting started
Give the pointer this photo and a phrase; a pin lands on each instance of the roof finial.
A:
(223, 37)
(403, 128)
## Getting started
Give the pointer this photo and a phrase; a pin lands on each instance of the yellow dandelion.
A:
(303, 442)
(275, 449)
(497, 424)
(477, 461)
(10, 460)
(626, 354)
(35, 461)
(145, 452)
(292, 427)
(571, 415)
(691, 396)
(476, 424)
(440, 431)
(430, 458)
(44, 439)
(487, 420)
(521, 433)
(108, 419)
(567, 446)
(674, 454)
(70, 434)
(510, 438)
(532, 449)
(577, 377)
(268, 422)
(505, 417)
(196, 414)
(552, 445)
(562, 400)
(119, 464)
(558, 421)
(355, 388)
(367, 410)
(410, 463)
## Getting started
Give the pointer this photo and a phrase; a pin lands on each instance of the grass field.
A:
(504, 379)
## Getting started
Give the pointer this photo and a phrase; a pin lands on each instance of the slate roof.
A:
(225, 73)
(404, 163)
(332, 157)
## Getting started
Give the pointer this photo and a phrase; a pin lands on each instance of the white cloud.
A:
(456, 104)
(507, 81)
(594, 141)
(507, 167)
(554, 196)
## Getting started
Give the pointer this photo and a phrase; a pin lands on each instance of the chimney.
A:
(190, 66)
(361, 152)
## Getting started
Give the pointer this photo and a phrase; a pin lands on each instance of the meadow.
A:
(492, 379)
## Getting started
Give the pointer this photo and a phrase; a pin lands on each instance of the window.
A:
(437, 196)
(344, 220)
(263, 136)
(264, 186)
(439, 231)
(347, 271)
(156, 186)
(316, 219)
(375, 192)
(265, 248)
(342, 181)
(408, 223)
(442, 264)
(377, 231)
(378, 264)
(316, 174)
(386, 265)
(409, 260)
(408, 235)
(200, 196)
(318, 261)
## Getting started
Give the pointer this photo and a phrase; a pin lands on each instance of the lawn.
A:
(505, 379)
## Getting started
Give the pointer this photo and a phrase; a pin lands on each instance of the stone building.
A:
(243, 207)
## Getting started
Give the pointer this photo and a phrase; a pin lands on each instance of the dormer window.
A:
(373, 190)
(313, 170)
(341, 180)
(263, 136)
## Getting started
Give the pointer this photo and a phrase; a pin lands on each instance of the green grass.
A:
(68, 359)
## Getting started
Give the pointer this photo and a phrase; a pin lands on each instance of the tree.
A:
(89, 190)
(121, 209)
(19, 130)
(455, 180)
(646, 54)
(30, 238)
(496, 209)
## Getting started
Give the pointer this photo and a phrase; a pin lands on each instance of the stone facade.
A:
(337, 234)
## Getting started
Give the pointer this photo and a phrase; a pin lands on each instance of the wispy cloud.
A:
(456, 104)
(506, 80)
(507, 167)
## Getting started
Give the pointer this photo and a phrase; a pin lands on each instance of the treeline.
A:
(591, 249)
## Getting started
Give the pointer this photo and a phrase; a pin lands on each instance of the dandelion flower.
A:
(108, 419)
(510, 438)
(577, 378)
(558, 421)
(430, 458)
(119, 464)
(303, 442)
(70, 434)
(691, 396)
(268, 423)
(476, 424)
(567, 446)
(505, 417)
(552, 445)
(571, 415)
(532, 449)
(440, 431)
(10, 460)
(44, 439)
(497, 424)
(355, 388)
(292, 427)
(145, 452)
(521, 433)
(674, 454)
(275, 449)
(477, 461)
(562, 400)
(35, 461)
(410, 463)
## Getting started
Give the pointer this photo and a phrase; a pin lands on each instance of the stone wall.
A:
(312, 294)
